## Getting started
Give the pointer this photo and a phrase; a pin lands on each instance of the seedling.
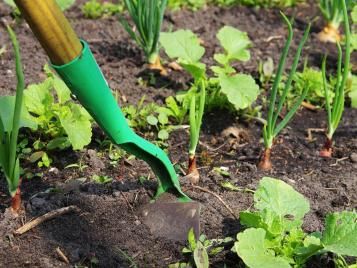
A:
(94, 9)
(332, 11)
(274, 236)
(147, 16)
(272, 127)
(334, 113)
(11, 119)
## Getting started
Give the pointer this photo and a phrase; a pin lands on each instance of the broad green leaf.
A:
(354, 14)
(235, 43)
(281, 199)
(75, 121)
(312, 245)
(63, 92)
(200, 256)
(163, 134)
(7, 106)
(38, 96)
(183, 45)
(340, 235)
(240, 89)
(191, 239)
(252, 248)
(197, 69)
(152, 120)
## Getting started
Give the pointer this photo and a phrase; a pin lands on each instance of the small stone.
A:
(116, 194)
(137, 222)
(353, 157)
(54, 170)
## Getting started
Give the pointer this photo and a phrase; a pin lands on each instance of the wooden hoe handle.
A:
(52, 29)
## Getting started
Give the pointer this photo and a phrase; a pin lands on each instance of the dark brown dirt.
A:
(108, 224)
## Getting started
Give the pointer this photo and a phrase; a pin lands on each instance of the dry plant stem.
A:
(265, 162)
(327, 149)
(61, 255)
(50, 215)
(156, 65)
(329, 34)
(218, 197)
(192, 174)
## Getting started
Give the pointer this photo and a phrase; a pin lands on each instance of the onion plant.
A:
(335, 107)
(147, 16)
(195, 117)
(9, 159)
(272, 127)
(332, 11)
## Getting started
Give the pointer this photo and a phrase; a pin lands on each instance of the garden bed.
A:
(109, 223)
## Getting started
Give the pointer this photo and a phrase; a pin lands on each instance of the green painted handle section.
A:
(86, 81)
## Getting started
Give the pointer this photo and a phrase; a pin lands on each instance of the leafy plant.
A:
(93, 9)
(332, 11)
(184, 46)
(62, 123)
(147, 16)
(63, 4)
(226, 87)
(13, 116)
(334, 112)
(199, 250)
(275, 238)
(151, 117)
(101, 179)
(272, 127)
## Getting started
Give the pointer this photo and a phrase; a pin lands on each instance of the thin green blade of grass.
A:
(326, 92)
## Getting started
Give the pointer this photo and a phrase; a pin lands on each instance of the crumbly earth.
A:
(108, 231)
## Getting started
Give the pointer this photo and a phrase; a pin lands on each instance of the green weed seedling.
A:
(272, 128)
(101, 179)
(335, 111)
(147, 16)
(199, 250)
(332, 11)
(274, 236)
(93, 9)
(13, 116)
(63, 4)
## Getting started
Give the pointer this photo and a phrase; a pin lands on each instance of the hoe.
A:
(72, 59)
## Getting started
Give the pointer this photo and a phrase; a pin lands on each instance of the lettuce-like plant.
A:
(13, 116)
(147, 16)
(272, 128)
(334, 112)
(274, 236)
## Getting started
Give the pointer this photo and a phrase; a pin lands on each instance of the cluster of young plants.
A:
(225, 86)
(61, 122)
(153, 118)
(94, 9)
(273, 234)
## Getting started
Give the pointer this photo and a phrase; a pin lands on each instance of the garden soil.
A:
(108, 230)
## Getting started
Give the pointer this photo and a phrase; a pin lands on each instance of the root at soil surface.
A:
(265, 162)
(327, 149)
(192, 174)
(157, 66)
(329, 34)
